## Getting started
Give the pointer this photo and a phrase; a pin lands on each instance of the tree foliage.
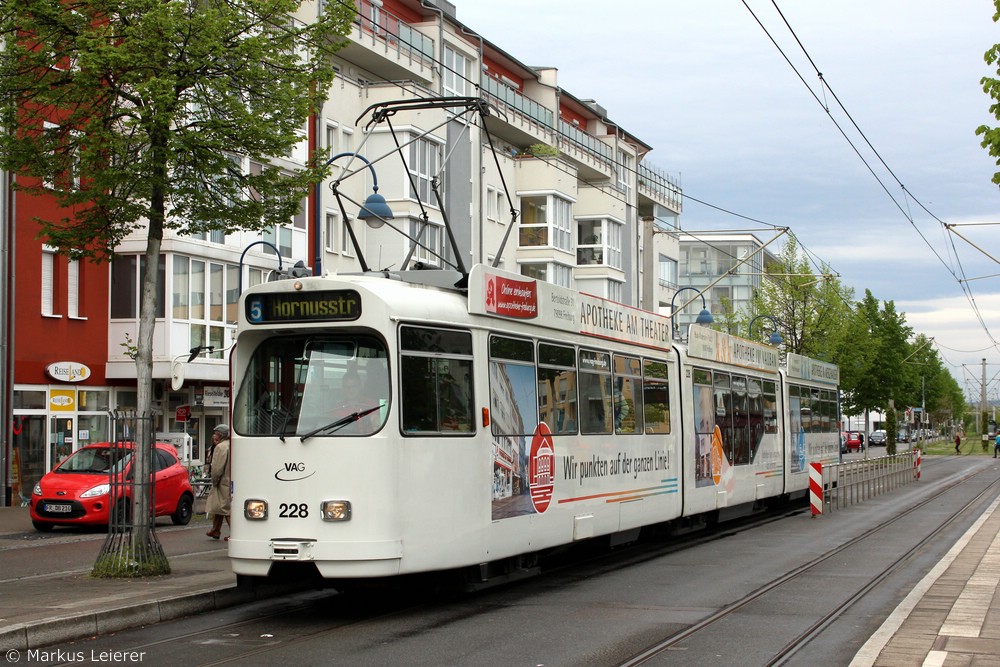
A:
(133, 111)
(991, 86)
(810, 310)
(139, 114)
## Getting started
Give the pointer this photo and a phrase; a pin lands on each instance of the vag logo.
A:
(292, 472)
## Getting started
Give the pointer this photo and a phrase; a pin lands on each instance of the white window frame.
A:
(73, 290)
(558, 222)
(436, 240)
(48, 291)
(423, 151)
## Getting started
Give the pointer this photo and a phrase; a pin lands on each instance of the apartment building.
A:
(725, 268)
(591, 213)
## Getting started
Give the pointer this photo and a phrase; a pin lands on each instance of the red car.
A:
(852, 442)
(77, 491)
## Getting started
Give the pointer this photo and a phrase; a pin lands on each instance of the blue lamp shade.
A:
(374, 210)
(775, 339)
(704, 317)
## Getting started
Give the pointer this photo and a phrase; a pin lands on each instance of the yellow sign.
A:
(62, 400)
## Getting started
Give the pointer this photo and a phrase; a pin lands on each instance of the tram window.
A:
(513, 386)
(769, 399)
(724, 412)
(436, 381)
(445, 341)
(755, 416)
(557, 388)
(740, 424)
(704, 425)
(655, 397)
(293, 386)
(595, 392)
(627, 393)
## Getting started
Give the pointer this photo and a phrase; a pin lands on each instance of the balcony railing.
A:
(586, 142)
(377, 23)
(507, 97)
(660, 186)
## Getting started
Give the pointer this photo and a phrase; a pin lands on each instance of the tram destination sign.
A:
(322, 306)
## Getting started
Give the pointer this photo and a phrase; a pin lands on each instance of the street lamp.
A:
(244, 254)
(704, 317)
(774, 338)
(375, 211)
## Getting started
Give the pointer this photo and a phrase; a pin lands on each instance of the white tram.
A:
(382, 426)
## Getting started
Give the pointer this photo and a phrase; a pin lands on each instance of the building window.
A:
(551, 272)
(48, 281)
(430, 237)
(424, 160)
(615, 291)
(331, 231)
(455, 74)
(667, 272)
(73, 289)
(614, 243)
(545, 220)
(207, 296)
(599, 242)
(127, 273)
(625, 170)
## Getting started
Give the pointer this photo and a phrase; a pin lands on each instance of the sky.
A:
(878, 173)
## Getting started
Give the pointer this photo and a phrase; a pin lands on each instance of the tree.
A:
(811, 311)
(991, 86)
(130, 113)
(875, 373)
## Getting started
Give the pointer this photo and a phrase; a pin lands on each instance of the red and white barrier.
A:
(816, 488)
(916, 464)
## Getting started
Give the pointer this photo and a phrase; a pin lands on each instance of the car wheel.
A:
(185, 508)
(122, 514)
(42, 527)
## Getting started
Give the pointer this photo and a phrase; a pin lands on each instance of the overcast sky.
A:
(747, 132)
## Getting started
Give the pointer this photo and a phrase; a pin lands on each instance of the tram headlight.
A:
(254, 509)
(336, 510)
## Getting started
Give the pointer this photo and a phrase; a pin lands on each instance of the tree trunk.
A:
(144, 357)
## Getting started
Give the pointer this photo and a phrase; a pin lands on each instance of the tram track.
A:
(797, 643)
(349, 614)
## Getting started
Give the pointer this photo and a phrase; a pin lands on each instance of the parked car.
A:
(78, 490)
(902, 436)
(877, 438)
(851, 441)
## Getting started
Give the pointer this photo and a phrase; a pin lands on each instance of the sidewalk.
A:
(69, 604)
(952, 617)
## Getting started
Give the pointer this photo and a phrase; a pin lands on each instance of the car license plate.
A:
(55, 508)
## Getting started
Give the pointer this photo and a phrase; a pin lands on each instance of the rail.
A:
(856, 481)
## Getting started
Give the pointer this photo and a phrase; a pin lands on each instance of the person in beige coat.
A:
(219, 498)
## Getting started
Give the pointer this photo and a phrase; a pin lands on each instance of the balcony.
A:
(523, 121)
(388, 46)
(660, 187)
(596, 158)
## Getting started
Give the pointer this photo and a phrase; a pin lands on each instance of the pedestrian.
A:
(958, 443)
(996, 446)
(218, 497)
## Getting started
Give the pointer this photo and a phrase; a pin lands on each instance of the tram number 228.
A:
(293, 510)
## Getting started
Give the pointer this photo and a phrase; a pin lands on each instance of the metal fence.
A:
(856, 481)
(131, 548)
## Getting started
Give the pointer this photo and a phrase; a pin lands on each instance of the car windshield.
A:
(95, 460)
(310, 386)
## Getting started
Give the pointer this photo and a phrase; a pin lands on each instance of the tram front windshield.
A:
(314, 386)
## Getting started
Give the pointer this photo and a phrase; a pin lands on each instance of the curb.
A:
(28, 636)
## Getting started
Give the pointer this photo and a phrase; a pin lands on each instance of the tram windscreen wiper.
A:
(333, 427)
(284, 424)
